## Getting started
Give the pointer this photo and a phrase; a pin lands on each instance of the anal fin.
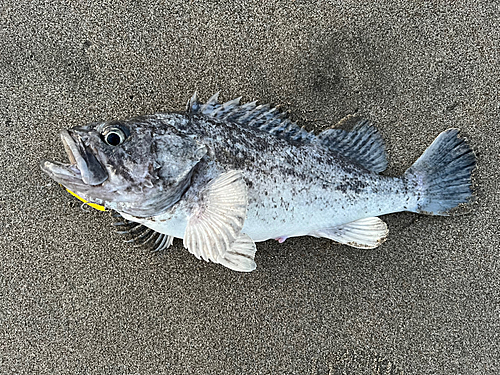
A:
(366, 233)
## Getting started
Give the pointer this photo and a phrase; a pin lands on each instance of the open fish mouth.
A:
(84, 168)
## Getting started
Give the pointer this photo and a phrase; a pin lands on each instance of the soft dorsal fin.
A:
(140, 234)
(213, 232)
(366, 233)
(363, 145)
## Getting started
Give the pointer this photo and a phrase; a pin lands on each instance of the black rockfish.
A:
(224, 176)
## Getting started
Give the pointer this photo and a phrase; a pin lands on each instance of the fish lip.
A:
(62, 173)
(74, 154)
(84, 169)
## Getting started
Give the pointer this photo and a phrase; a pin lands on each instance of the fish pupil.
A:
(113, 139)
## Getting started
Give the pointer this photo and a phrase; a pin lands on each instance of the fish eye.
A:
(114, 136)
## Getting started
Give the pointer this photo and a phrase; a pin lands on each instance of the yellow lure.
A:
(93, 205)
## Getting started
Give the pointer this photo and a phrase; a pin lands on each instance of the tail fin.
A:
(443, 174)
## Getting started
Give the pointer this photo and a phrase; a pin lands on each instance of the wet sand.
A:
(75, 299)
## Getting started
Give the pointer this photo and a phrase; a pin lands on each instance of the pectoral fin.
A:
(213, 232)
(366, 233)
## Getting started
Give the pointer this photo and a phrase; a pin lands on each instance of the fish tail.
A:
(443, 175)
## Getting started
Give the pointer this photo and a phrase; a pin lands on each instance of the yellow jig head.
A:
(93, 205)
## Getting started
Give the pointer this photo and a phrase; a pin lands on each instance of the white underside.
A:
(310, 212)
(264, 224)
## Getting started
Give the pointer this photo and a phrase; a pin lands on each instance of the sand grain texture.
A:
(75, 299)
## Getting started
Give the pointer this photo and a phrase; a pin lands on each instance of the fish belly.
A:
(290, 207)
(299, 212)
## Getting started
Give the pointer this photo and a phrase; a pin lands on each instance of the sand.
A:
(75, 299)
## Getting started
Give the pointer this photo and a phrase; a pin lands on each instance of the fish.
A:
(223, 176)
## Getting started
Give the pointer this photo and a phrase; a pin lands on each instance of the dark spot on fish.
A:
(289, 159)
(122, 171)
(354, 185)
(287, 171)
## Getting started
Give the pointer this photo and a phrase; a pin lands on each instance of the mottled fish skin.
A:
(223, 176)
(294, 188)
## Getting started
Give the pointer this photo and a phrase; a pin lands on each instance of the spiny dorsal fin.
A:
(363, 145)
(193, 104)
(213, 231)
(140, 234)
(262, 116)
(366, 233)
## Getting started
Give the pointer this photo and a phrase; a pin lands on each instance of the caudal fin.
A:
(443, 174)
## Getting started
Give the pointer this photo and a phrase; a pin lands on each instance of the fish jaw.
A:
(84, 168)
(65, 174)
(92, 172)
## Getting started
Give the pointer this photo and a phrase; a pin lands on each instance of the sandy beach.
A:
(75, 299)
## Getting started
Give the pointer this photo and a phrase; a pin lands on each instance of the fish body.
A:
(294, 188)
(224, 176)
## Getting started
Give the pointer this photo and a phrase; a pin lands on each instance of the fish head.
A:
(140, 166)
